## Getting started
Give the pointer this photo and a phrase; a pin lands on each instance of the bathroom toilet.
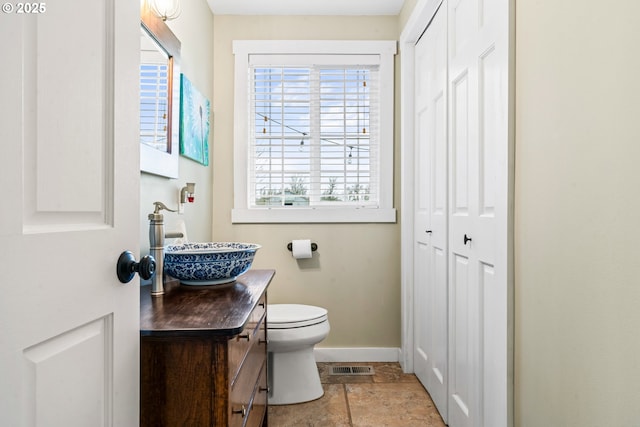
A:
(293, 330)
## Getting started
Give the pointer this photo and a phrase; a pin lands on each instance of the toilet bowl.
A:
(293, 330)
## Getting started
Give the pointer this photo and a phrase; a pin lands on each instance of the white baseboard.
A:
(357, 354)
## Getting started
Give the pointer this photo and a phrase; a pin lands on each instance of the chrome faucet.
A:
(156, 245)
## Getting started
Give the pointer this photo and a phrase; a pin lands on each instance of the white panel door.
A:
(430, 216)
(478, 85)
(70, 175)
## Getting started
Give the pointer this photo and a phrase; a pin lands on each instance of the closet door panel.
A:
(431, 213)
(460, 146)
(463, 350)
(422, 212)
(465, 305)
(491, 244)
(422, 219)
(422, 230)
(478, 70)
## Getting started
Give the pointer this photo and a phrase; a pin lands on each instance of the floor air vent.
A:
(352, 370)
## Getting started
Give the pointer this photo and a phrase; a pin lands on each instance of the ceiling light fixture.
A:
(165, 9)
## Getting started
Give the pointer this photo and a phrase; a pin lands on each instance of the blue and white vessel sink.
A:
(212, 263)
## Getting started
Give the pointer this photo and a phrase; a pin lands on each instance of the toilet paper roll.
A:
(177, 236)
(183, 229)
(301, 249)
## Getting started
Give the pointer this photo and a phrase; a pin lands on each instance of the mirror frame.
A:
(154, 161)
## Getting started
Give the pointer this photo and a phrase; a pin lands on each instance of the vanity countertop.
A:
(191, 311)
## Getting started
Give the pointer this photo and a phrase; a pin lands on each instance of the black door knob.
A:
(127, 267)
(466, 239)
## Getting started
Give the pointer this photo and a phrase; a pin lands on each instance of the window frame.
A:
(242, 212)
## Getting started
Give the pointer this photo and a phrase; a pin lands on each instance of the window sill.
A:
(310, 215)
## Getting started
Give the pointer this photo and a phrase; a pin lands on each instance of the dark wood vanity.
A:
(203, 354)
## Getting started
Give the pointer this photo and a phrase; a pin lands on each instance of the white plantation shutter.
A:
(317, 144)
(154, 95)
(313, 137)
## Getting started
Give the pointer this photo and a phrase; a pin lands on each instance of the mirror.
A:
(159, 96)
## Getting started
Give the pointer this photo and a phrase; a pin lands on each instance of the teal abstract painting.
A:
(194, 123)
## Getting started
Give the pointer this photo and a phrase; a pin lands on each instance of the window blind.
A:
(154, 88)
(314, 136)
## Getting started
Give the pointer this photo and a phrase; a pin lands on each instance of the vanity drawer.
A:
(258, 313)
(258, 408)
(249, 370)
(249, 409)
(252, 335)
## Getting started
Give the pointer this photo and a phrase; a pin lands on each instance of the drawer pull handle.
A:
(246, 336)
(261, 389)
(263, 341)
(261, 304)
(242, 411)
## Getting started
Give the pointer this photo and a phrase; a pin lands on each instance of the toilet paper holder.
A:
(314, 247)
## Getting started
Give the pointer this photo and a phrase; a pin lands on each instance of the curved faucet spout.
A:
(158, 206)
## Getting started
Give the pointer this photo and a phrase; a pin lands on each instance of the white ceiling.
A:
(305, 7)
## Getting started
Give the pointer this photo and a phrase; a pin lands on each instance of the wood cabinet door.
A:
(180, 383)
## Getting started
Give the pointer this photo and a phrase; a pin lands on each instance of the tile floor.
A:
(389, 398)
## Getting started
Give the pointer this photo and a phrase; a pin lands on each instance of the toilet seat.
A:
(288, 316)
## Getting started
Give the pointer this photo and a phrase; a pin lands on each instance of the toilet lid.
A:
(283, 316)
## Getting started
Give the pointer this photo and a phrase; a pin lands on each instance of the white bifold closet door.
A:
(430, 216)
(460, 229)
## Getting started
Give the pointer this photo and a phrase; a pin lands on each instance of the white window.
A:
(313, 131)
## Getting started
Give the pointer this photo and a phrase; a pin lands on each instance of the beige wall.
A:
(577, 224)
(194, 29)
(356, 271)
(405, 12)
